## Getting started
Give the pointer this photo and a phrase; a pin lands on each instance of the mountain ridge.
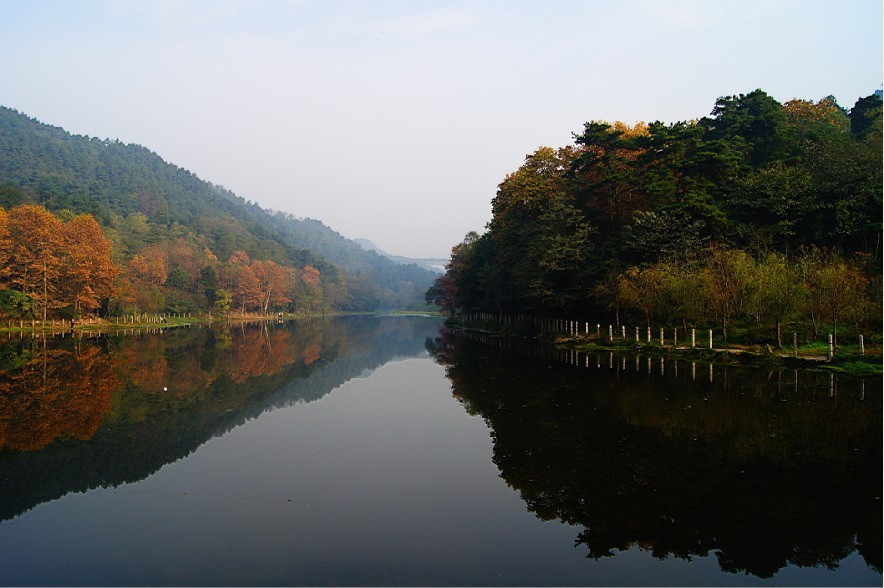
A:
(434, 264)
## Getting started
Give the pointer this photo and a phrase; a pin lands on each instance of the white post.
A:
(710, 338)
(623, 331)
(693, 337)
(831, 347)
(862, 347)
(661, 336)
(649, 334)
(637, 340)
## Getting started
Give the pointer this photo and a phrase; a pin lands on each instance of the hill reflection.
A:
(79, 413)
(763, 468)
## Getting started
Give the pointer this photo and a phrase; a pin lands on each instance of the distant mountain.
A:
(127, 185)
(433, 264)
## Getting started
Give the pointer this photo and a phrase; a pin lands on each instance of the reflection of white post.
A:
(694, 370)
(710, 373)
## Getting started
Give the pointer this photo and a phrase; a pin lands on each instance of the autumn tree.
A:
(240, 280)
(147, 272)
(34, 250)
(88, 274)
(274, 283)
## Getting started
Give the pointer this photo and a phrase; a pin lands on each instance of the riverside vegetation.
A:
(762, 221)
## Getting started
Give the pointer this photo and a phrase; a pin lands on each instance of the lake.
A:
(387, 451)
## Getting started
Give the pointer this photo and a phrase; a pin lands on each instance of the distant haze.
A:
(396, 121)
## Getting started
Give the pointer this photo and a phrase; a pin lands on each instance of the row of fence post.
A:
(573, 328)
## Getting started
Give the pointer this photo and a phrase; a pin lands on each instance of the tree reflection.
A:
(80, 413)
(755, 472)
(50, 393)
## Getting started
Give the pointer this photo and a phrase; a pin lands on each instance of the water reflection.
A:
(763, 468)
(80, 413)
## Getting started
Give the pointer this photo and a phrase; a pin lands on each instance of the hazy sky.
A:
(396, 121)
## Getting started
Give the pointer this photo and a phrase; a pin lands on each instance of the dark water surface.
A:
(379, 451)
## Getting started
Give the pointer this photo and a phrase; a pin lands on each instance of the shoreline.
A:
(845, 360)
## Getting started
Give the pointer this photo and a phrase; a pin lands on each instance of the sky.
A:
(395, 121)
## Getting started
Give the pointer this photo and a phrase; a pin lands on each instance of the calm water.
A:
(366, 451)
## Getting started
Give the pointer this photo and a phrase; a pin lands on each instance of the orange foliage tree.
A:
(274, 283)
(88, 273)
(33, 250)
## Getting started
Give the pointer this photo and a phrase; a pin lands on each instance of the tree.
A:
(443, 294)
(681, 294)
(223, 300)
(640, 288)
(725, 278)
(274, 283)
(89, 274)
(864, 114)
(15, 303)
(147, 273)
(776, 289)
(34, 249)
(835, 287)
(755, 119)
(310, 298)
(539, 239)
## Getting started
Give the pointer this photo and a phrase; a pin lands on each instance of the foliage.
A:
(762, 213)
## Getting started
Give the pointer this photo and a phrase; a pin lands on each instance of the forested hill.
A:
(141, 200)
(762, 212)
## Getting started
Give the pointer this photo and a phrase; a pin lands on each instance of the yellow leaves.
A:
(639, 129)
(827, 111)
